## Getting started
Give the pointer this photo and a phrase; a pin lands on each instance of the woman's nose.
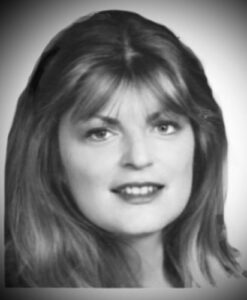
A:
(136, 154)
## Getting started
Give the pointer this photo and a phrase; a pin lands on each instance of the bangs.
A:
(100, 86)
(168, 89)
(93, 91)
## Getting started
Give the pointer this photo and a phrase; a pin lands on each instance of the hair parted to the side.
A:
(48, 240)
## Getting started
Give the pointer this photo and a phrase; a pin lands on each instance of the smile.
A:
(133, 190)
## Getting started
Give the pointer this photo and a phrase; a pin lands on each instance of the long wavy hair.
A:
(49, 242)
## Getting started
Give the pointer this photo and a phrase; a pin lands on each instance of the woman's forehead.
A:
(132, 99)
(112, 97)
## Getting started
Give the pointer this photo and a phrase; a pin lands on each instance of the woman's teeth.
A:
(145, 190)
(138, 191)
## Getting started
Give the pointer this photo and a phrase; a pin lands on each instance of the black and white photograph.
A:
(123, 149)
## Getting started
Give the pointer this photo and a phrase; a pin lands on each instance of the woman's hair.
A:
(49, 242)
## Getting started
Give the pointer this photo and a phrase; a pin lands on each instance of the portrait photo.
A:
(123, 149)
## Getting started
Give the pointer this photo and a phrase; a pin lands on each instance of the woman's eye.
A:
(99, 134)
(166, 128)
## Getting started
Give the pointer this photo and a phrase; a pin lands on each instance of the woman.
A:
(115, 163)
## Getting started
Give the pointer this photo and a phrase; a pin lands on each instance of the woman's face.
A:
(130, 167)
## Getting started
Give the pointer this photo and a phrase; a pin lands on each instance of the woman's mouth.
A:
(138, 193)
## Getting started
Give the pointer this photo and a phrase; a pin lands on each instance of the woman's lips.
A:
(138, 193)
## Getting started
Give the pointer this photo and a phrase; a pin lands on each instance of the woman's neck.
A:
(150, 251)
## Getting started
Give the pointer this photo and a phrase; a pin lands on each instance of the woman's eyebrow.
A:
(161, 114)
(108, 120)
(155, 116)
(150, 118)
